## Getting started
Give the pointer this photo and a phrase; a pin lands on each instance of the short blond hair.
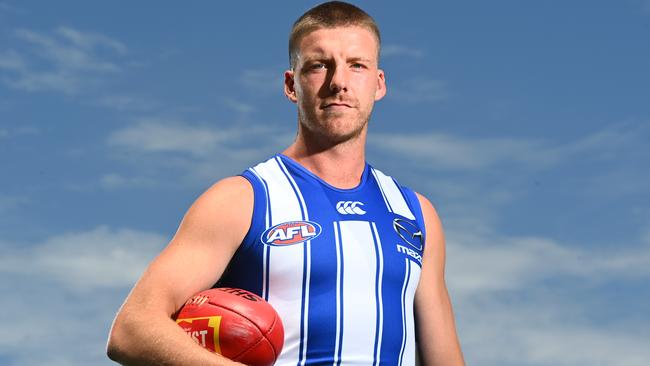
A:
(329, 15)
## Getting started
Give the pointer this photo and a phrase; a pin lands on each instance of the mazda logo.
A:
(409, 232)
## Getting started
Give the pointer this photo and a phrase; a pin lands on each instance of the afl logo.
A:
(292, 232)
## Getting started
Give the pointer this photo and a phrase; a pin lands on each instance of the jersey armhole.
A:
(258, 221)
(414, 204)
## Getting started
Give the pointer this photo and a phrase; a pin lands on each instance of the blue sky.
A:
(525, 122)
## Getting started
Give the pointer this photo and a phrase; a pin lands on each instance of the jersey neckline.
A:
(297, 165)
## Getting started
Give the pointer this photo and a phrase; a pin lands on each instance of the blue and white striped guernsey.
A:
(339, 265)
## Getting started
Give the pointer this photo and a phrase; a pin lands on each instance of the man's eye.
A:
(358, 66)
(317, 66)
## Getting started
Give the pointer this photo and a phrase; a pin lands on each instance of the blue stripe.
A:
(378, 306)
(301, 203)
(269, 220)
(404, 330)
(340, 334)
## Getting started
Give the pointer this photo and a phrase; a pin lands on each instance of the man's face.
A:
(336, 81)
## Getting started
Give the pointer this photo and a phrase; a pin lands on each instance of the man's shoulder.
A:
(234, 190)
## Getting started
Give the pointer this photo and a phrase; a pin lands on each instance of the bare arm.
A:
(143, 332)
(436, 332)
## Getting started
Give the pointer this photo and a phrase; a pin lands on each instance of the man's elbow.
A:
(116, 347)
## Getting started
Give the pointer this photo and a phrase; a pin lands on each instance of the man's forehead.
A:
(353, 39)
(349, 30)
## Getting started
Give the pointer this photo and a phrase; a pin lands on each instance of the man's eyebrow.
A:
(360, 58)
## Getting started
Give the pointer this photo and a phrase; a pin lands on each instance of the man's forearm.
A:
(157, 341)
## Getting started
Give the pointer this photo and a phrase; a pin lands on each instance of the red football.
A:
(235, 323)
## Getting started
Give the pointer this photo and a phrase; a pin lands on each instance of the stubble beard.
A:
(333, 130)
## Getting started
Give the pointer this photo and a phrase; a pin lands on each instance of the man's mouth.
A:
(336, 105)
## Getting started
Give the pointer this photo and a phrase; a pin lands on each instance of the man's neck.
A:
(340, 165)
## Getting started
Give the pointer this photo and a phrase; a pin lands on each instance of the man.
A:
(365, 279)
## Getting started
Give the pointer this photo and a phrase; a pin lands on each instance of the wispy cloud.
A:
(65, 60)
(9, 8)
(238, 106)
(515, 263)
(18, 131)
(512, 304)
(199, 151)
(540, 331)
(82, 277)
(99, 258)
(126, 102)
(268, 81)
(112, 181)
(160, 136)
(419, 90)
(89, 40)
(394, 50)
(446, 151)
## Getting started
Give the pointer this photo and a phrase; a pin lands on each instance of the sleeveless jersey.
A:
(340, 266)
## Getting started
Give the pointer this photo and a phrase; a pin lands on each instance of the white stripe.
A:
(307, 248)
(286, 263)
(404, 320)
(359, 322)
(379, 293)
(394, 197)
(293, 183)
(409, 350)
(383, 195)
(338, 293)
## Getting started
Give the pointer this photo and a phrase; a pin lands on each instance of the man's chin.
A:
(339, 136)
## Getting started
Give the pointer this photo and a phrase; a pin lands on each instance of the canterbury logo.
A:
(350, 208)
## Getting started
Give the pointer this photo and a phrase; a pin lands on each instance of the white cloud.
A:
(117, 181)
(239, 106)
(159, 136)
(394, 50)
(418, 90)
(9, 9)
(64, 291)
(11, 60)
(69, 49)
(445, 151)
(513, 263)
(66, 60)
(18, 131)
(527, 300)
(264, 81)
(126, 103)
(199, 152)
(89, 40)
(539, 332)
(99, 258)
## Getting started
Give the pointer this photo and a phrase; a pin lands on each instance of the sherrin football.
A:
(234, 323)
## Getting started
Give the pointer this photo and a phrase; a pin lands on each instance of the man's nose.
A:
(338, 80)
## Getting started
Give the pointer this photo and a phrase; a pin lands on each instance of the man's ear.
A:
(289, 86)
(381, 85)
